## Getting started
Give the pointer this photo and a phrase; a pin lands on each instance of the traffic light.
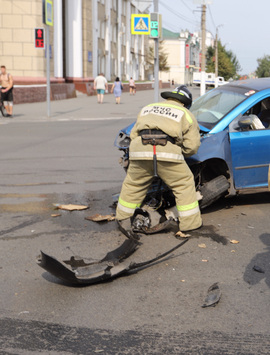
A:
(39, 38)
(155, 25)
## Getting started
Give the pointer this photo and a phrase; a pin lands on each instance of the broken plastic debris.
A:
(79, 270)
(258, 269)
(233, 241)
(172, 213)
(71, 207)
(202, 245)
(55, 215)
(213, 296)
(182, 235)
(101, 218)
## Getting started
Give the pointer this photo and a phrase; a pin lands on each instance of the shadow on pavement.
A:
(261, 263)
(239, 200)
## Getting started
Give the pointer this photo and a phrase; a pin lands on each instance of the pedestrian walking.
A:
(6, 91)
(100, 85)
(132, 86)
(149, 154)
(117, 90)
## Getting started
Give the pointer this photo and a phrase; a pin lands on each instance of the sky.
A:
(245, 25)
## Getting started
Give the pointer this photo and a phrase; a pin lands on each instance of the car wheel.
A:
(213, 190)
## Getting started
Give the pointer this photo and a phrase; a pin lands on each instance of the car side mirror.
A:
(245, 122)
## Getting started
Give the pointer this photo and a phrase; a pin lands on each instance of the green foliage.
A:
(228, 64)
(163, 58)
(263, 69)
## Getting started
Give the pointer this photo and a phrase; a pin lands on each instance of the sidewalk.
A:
(84, 108)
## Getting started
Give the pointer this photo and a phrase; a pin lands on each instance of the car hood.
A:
(127, 130)
(204, 129)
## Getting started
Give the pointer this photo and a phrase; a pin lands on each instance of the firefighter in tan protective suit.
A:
(173, 121)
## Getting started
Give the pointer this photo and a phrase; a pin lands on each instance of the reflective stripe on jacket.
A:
(173, 119)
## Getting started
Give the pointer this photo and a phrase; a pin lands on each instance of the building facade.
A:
(184, 55)
(88, 37)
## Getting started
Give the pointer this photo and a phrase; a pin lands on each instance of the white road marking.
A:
(63, 119)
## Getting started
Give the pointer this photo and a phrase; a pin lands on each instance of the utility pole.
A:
(48, 70)
(156, 61)
(216, 57)
(202, 91)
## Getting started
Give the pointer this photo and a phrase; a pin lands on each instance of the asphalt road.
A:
(70, 158)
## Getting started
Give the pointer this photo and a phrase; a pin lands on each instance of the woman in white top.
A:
(132, 87)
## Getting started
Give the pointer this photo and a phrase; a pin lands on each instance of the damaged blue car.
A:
(234, 154)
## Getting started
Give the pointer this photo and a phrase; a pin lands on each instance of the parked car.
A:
(234, 154)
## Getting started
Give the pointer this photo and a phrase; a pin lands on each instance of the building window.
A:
(123, 34)
(102, 30)
(98, 28)
(114, 34)
(124, 7)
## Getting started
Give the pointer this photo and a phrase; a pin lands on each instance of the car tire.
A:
(213, 190)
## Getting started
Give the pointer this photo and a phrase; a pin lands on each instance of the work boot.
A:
(125, 227)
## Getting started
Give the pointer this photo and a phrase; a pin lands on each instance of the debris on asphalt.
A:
(250, 227)
(78, 270)
(233, 241)
(147, 220)
(202, 245)
(258, 269)
(101, 218)
(205, 260)
(232, 251)
(55, 215)
(172, 213)
(71, 207)
(213, 296)
(182, 235)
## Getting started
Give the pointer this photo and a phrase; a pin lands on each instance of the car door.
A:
(250, 150)
(250, 158)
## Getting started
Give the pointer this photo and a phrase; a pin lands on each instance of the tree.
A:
(234, 60)
(228, 64)
(163, 58)
(263, 69)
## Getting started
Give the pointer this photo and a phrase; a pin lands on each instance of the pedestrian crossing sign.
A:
(140, 24)
(47, 9)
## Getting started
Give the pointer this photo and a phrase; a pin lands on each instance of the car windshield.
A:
(210, 108)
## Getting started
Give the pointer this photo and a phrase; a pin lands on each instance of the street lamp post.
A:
(156, 61)
(203, 20)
